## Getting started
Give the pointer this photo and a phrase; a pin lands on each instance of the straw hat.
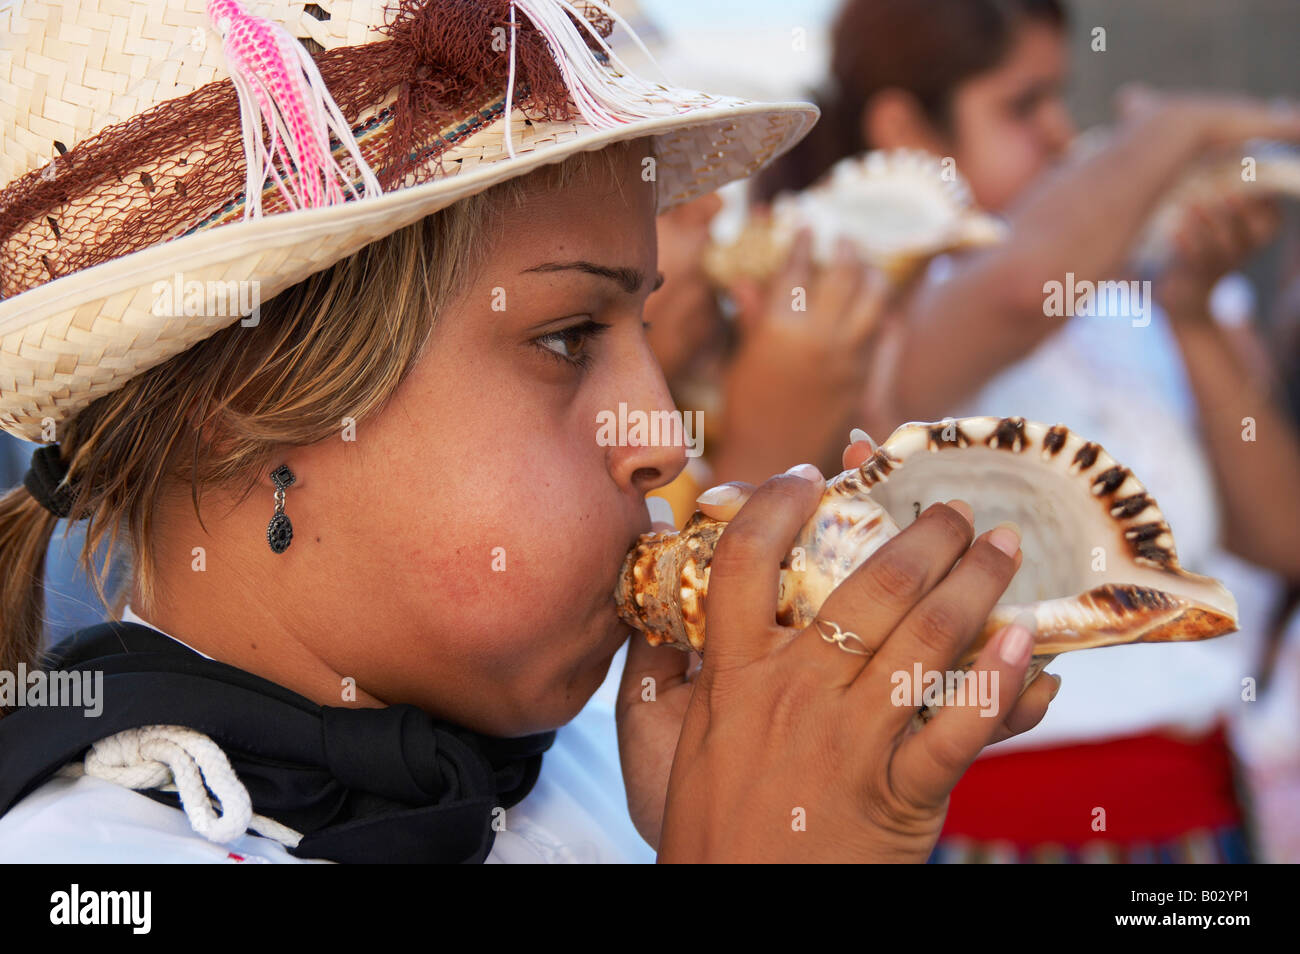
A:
(132, 134)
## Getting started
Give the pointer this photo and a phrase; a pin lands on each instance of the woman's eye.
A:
(1024, 106)
(570, 344)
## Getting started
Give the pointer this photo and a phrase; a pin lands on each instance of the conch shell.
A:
(1099, 564)
(900, 208)
(1258, 168)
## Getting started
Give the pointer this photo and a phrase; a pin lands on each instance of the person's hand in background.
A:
(683, 315)
(1223, 368)
(1213, 239)
(796, 380)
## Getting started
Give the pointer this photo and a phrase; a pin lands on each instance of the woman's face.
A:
(480, 525)
(1010, 124)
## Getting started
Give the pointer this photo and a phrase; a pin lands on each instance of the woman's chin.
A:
(589, 679)
(555, 698)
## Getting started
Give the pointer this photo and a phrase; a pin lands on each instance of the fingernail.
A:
(1014, 648)
(661, 511)
(1006, 537)
(858, 434)
(806, 471)
(963, 508)
(1056, 686)
(721, 494)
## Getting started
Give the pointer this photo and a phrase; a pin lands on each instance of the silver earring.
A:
(279, 532)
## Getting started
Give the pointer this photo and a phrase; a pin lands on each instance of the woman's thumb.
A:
(724, 501)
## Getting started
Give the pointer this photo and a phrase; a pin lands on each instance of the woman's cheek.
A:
(501, 581)
(1003, 168)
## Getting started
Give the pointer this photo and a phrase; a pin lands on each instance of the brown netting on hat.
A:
(179, 166)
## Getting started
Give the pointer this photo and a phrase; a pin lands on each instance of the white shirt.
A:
(577, 811)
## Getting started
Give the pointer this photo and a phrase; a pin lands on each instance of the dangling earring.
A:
(279, 532)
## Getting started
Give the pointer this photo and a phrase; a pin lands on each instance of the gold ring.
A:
(839, 636)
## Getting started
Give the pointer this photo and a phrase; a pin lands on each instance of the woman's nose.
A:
(648, 439)
(1059, 129)
(650, 446)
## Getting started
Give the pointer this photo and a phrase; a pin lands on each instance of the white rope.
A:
(174, 758)
(510, 82)
(604, 100)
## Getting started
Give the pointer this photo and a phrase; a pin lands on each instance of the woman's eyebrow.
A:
(629, 279)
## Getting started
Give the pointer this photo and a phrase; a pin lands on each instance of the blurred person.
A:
(1265, 737)
(690, 337)
(774, 382)
(1285, 325)
(981, 81)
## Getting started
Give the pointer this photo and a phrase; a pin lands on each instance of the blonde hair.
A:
(333, 346)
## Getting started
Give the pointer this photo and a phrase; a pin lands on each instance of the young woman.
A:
(373, 534)
(981, 81)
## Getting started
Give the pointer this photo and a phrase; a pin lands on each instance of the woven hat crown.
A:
(69, 68)
(148, 140)
(127, 127)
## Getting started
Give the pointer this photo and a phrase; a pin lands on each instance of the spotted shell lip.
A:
(1148, 536)
(1126, 501)
(931, 197)
(1146, 597)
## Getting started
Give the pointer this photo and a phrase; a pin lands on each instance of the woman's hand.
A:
(1213, 239)
(652, 699)
(656, 684)
(791, 749)
(799, 373)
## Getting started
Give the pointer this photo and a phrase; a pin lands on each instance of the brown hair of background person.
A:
(926, 48)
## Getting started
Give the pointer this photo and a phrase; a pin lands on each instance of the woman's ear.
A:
(209, 431)
(893, 119)
(215, 440)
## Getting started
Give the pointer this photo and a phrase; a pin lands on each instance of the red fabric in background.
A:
(1153, 786)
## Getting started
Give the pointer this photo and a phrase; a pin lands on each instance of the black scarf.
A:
(362, 785)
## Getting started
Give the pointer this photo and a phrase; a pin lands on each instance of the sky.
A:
(761, 49)
(719, 13)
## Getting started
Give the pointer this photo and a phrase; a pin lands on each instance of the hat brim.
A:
(73, 339)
